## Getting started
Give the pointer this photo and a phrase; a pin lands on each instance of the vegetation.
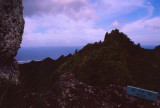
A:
(118, 61)
(36, 77)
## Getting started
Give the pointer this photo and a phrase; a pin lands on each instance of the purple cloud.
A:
(76, 22)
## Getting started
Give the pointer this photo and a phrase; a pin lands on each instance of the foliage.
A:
(117, 60)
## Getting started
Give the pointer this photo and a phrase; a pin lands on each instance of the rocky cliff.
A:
(68, 92)
(42, 87)
(116, 60)
(11, 31)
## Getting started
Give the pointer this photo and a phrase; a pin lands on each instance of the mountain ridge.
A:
(117, 60)
(95, 76)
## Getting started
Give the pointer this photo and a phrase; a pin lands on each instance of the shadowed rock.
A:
(11, 31)
(68, 92)
(157, 48)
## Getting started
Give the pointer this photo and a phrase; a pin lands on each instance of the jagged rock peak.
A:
(116, 35)
(118, 38)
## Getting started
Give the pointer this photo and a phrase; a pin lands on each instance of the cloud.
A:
(116, 7)
(144, 31)
(149, 24)
(76, 9)
(115, 25)
(84, 9)
(76, 22)
(63, 31)
(150, 9)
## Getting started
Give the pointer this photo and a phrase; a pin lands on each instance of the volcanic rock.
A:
(11, 31)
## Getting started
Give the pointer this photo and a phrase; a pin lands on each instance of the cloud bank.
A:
(78, 22)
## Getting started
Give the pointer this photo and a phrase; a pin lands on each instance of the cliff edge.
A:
(11, 31)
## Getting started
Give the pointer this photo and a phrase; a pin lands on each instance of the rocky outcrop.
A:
(116, 60)
(11, 31)
(157, 48)
(68, 92)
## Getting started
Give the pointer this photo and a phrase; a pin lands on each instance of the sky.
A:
(78, 22)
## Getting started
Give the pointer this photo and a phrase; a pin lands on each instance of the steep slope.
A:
(157, 48)
(118, 61)
(37, 76)
(95, 76)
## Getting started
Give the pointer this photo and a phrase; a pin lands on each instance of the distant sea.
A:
(27, 54)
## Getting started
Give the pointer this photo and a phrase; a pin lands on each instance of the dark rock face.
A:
(68, 92)
(11, 30)
(9, 72)
(157, 48)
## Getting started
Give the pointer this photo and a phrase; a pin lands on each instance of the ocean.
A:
(27, 54)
